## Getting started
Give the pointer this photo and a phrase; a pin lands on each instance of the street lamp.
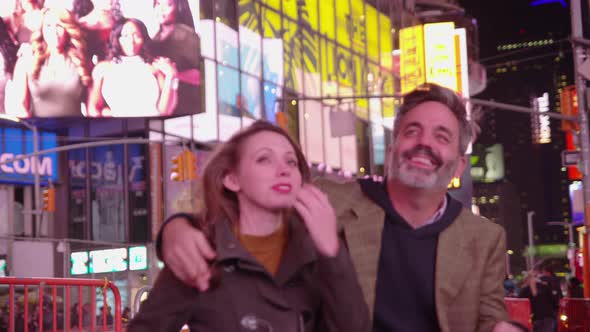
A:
(35, 169)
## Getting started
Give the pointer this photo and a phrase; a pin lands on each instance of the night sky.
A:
(516, 20)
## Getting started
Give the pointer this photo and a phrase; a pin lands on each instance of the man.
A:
(178, 41)
(424, 262)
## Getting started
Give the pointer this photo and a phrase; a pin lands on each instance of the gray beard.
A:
(422, 179)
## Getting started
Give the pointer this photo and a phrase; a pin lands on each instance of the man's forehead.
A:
(430, 113)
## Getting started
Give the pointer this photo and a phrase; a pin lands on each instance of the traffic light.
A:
(190, 163)
(177, 173)
(49, 199)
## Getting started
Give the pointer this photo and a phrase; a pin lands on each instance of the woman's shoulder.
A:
(101, 69)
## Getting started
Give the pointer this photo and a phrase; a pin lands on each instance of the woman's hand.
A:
(165, 66)
(319, 218)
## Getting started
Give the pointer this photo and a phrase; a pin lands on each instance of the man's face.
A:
(165, 11)
(425, 153)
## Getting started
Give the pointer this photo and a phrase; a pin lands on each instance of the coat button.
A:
(231, 245)
(229, 268)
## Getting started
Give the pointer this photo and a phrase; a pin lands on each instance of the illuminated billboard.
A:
(107, 58)
(434, 53)
(109, 260)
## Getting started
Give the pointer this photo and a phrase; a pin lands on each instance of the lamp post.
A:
(531, 253)
(572, 244)
(37, 213)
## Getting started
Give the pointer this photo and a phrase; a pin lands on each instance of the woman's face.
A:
(165, 11)
(54, 33)
(131, 40)
(29, 5)
(267, 175)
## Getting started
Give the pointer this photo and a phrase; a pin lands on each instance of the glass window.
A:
(311, 50)
(327, 24)
(77, 197)
(272, 46)
(228, 90)
(227, 45)
(292, 56)
(251, 100)
(227, 33)
(309, 14)
(356, 26)
(343, 22)
(271, 23)
(372, 33)
(328, 68)
(360, 73)
(290, 8)
(226, 13)
(385, 38)
(206, 9)
(107, 196)
(363, 153)
(271, 107)
(344, 71)
(250, 37)
(139, 193)
(275, 4)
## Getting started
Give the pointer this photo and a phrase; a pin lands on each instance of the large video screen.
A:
(99, 58)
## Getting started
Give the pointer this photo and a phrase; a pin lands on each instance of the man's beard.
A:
(415, 177)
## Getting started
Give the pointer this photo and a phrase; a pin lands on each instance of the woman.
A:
(51, 80)
(132, 83)
(27, 19)
(543, 303)
(276, 270)
(8, 50)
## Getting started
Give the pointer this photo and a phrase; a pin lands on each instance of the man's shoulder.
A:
(478, 224)
(332, 186)
(341, 193)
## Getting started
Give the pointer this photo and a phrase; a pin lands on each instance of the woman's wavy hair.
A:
(8, 48)
(115, 51)
(221, 203)
(75, 48)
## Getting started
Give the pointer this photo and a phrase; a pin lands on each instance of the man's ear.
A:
(230, 182)
(460, 166)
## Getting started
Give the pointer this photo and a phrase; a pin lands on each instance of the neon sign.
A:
(544, 2)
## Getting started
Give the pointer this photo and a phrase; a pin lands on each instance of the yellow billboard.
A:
(439, 54)
(411, 41)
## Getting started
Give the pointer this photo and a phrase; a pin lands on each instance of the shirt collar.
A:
(439, 213)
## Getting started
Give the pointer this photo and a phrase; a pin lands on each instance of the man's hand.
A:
(507, 327)
(319, 218)
(186, 251)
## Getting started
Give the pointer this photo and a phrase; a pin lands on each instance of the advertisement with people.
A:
(99, 58)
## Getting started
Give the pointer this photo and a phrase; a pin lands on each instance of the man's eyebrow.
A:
(445, 130)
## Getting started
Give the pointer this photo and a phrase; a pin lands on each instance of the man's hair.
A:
(432, 92)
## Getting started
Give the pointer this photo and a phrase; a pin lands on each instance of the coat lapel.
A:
(453, 262)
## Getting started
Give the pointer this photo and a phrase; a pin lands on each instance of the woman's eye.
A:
(262, 159)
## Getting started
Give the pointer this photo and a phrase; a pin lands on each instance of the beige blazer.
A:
(470, 260)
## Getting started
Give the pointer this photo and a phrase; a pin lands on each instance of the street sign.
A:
(570, 158)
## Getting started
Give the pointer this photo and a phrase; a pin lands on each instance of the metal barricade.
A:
(64, 286)
(574, 315)
(519, 310)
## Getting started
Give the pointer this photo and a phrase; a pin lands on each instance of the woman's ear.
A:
(230, 182)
